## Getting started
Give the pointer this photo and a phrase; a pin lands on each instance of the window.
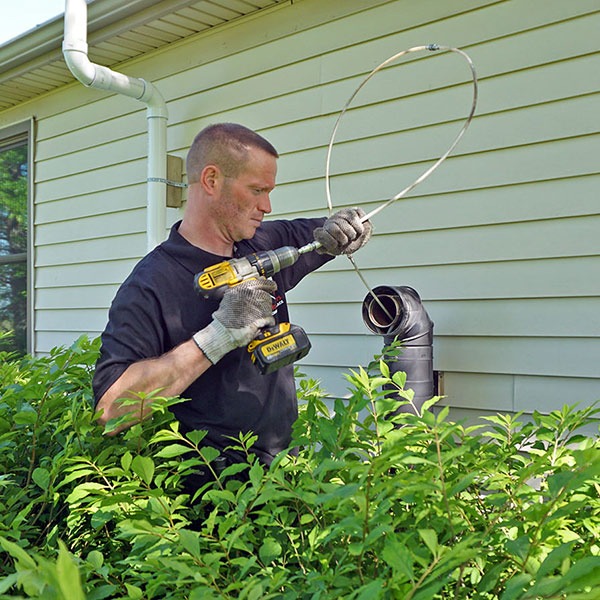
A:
(14, 240)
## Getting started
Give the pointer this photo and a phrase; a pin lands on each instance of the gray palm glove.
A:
(343, 233)
(243, 311)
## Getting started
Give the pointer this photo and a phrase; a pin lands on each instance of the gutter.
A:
(75, 51)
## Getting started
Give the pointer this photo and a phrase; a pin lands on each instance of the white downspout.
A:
(75, 50)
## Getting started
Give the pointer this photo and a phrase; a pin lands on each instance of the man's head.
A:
(231, 172)
(226, 146)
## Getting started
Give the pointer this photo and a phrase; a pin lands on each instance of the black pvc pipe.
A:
(409, 323)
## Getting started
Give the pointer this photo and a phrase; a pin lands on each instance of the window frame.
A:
(10, 137)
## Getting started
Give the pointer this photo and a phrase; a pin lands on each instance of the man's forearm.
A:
(172, 372)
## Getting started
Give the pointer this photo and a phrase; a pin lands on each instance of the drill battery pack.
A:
(278, 346)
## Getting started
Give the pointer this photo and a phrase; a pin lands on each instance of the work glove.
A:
(244, 310)
(343, 233)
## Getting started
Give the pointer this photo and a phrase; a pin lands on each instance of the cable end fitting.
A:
(433, 47)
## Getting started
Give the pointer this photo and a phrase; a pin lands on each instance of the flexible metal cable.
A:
(425, 174)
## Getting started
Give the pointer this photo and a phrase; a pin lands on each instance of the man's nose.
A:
(265, 203)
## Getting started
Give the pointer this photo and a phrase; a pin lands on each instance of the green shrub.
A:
(407, 506)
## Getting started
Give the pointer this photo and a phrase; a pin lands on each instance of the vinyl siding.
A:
(501, 242)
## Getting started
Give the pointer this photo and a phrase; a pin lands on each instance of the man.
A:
(161, 334)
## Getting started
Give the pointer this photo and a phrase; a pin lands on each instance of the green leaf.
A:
(102, 592)
(83, 490)
(234, 469)
(516, 586)
(256, 592)
(17, 553)
(100, 518)
(384, 368)
(429, 536)
(41, 476)
(126, 461)
(165, 435)
(462, 484)
(443, 414)
(190, 542)
(25, 418)
(376, 382)
(519, 547)
(75, 475)
(428, 592)
(399, 378)
(196, 436)
(96, 559)
(397, 556)
(68, 575)
(269, 550)
(8, 581)
(545, 588)
(371, 590)
(429, 403)
(208, 453)
(172, 450)
(559, 480)
(491, 578)
(134, 592)
(256, 474)
(584, 572)
(143, 467)
(554, 560)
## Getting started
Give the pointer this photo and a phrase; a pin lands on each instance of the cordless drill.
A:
(276, 346)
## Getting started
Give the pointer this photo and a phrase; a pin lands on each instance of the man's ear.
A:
(211, 179)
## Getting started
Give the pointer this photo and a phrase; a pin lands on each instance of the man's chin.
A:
(247, 233)
(254, 225)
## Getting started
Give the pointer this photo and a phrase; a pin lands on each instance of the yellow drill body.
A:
(274, 347)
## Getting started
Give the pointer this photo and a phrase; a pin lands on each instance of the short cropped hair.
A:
(225, 145)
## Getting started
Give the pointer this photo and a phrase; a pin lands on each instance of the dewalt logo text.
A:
(279, 345)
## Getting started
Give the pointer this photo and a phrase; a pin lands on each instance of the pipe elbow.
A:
(78, 62)
(156, 107)
(398, 313)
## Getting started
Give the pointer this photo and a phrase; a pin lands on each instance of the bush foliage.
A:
(375, 505)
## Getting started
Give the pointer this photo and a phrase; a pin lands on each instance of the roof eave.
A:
(47, 37)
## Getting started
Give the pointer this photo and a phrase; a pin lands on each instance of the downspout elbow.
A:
(75, 51)
(77, 60)
(156, 106)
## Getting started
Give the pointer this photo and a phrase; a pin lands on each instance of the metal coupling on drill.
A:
(216, 279)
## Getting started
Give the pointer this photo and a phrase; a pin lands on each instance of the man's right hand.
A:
(243, 311)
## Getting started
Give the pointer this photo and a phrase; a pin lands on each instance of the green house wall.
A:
(502, 242)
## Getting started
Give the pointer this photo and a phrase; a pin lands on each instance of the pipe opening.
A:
(383, 320)
(378, 316)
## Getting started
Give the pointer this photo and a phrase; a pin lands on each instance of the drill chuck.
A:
(269, 262)
(214, 280)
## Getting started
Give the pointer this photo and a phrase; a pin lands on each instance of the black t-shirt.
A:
(156, 309)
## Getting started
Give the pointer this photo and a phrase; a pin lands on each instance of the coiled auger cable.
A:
(425, 174)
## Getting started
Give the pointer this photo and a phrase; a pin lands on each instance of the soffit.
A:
(118, 31)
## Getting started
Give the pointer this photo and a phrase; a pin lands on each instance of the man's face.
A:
(244, 200)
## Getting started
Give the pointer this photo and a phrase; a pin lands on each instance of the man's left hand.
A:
(343, 232)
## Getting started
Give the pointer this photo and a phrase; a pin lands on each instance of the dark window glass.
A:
(13, 248)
